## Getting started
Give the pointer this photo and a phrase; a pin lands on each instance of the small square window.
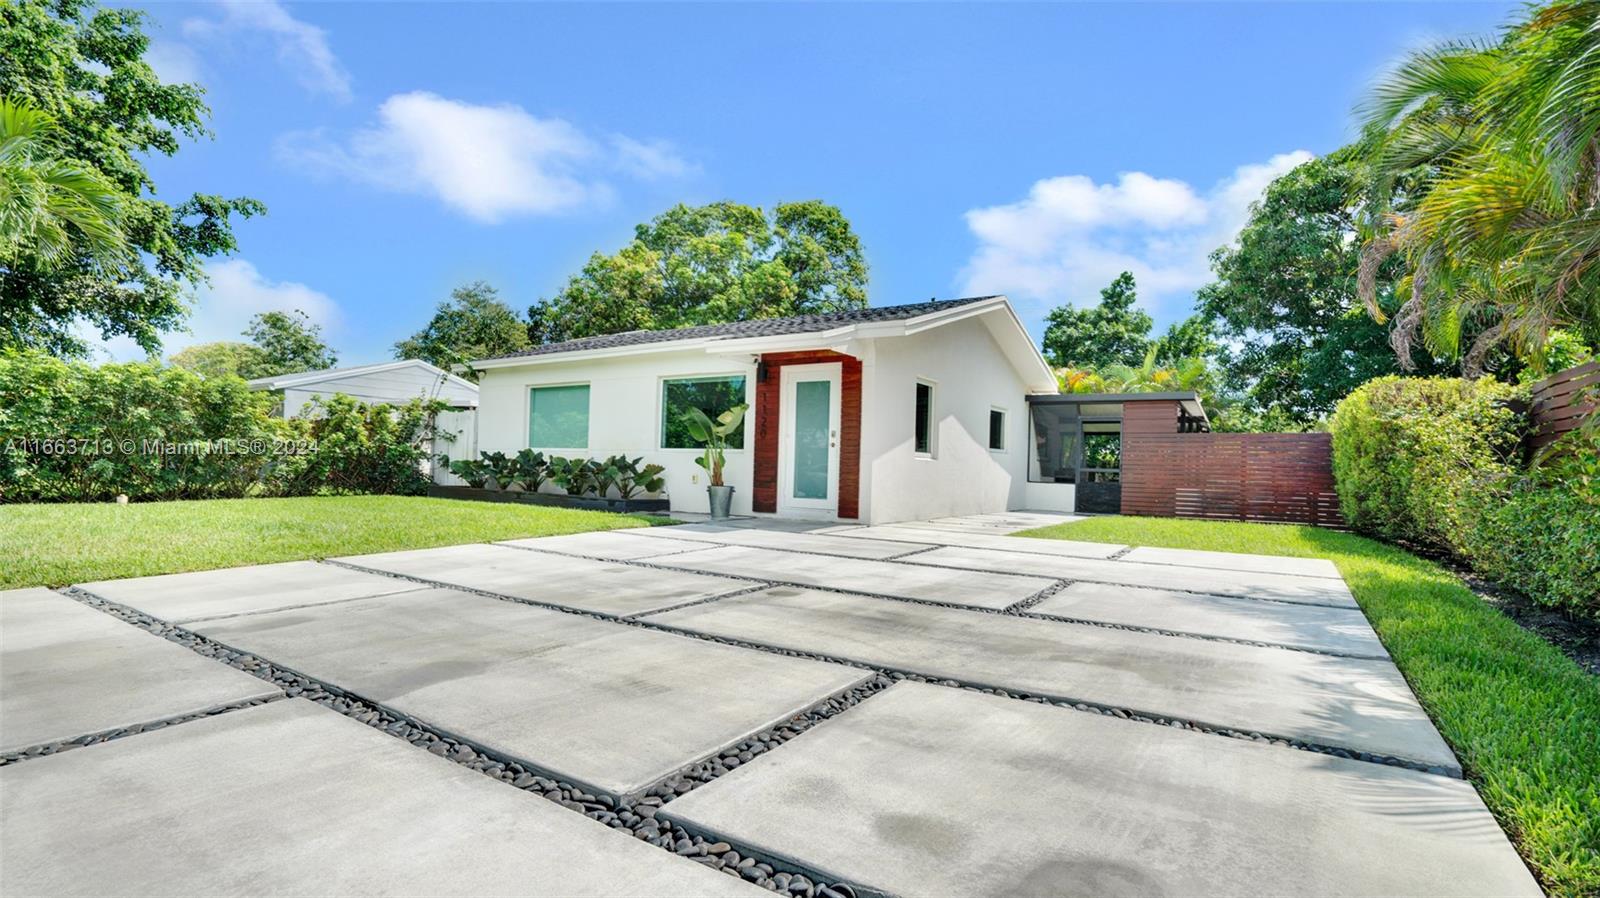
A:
(924, 428)
(997, 429)
(558, 417)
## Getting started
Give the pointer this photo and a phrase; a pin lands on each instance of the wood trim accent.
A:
(764, 496)
(1283, 477)
(1561, 403)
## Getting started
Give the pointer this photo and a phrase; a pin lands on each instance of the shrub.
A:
(1439, 463)
(1408, 452)
(74, 432)
(362, 448)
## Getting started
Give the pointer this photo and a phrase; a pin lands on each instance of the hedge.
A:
(75, 432)
(1438, 462)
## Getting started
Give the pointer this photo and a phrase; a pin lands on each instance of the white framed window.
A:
(997, 429)
(712, 394)
(558, 417)
(924, 440)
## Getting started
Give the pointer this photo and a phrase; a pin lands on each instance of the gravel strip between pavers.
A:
(55, 748)
(901, 674)
(637, 815)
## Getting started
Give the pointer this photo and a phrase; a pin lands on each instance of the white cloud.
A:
(1070, 236)
(239, 292)
(487, 161)
(650, 159)
(174, 63)
(302, 47)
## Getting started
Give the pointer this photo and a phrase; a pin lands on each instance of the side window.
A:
(924, 428)
(558, 417)
(997, 429)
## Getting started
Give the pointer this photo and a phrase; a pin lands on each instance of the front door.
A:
(808, 440)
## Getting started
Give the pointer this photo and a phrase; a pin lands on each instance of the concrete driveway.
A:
(930, 708)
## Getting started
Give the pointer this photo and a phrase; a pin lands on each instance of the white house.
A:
(883, 414)
(394, 383)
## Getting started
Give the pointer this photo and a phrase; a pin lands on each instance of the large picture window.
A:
(712, 395)
(558, 417)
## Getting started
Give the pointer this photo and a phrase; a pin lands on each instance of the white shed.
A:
(395, 383)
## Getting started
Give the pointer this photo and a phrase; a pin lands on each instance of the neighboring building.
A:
(395, 383)
(884, 414)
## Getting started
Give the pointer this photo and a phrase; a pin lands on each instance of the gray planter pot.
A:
(721, 501)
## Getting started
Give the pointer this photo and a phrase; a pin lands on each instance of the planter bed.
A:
(481, 494)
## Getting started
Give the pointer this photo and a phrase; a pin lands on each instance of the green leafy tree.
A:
(472, 324)
(289, 343)
(1499, 238)
(1292, 338)
(1192, 338)
(84, 67)
(51, 209)
(712, 264)
(1111, 333)
(221, 359)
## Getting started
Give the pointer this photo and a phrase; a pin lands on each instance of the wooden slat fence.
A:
(1276, 477)
(1561, 402)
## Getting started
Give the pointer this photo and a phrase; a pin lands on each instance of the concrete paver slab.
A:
(198, 595)
(606, 587)
(1344, 702)
(623, 545)
(825, 544)
(67, 670)
(613, 706)
(931, 536)
(1012, 520)
(1236, 561)
(293, 799)
(982, 590)
(1342, 631)
(926, 791)
(1280, 587)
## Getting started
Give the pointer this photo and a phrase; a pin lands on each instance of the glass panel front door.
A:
(813, 400)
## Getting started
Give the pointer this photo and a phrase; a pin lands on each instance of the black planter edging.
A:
(479, 494)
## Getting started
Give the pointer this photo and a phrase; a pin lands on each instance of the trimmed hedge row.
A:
(74, 432)
(1438, 462)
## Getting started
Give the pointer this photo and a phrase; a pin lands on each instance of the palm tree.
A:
(52, 210)
(1499, 220)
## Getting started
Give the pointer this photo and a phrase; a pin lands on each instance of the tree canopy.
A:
(711, 264)
(472, 324)
(84, 68)
(221, 359)
(1111, 333)
(288, 343)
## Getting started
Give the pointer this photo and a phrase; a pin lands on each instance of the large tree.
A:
(472, 324)
(84, 67)
(1110, 333)
(711, 264)
(1500, 238)
(1293, 340)
(221, 359)
(289, 343)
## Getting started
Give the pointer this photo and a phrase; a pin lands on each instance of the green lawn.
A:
(1522, 717)
(55, 545)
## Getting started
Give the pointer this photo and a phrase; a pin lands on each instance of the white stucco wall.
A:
(624, 416)
(962, 476)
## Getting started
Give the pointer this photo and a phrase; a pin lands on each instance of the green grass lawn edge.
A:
(1522, 717)
(58, 545)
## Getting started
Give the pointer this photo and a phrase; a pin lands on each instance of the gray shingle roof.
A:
(766, 327)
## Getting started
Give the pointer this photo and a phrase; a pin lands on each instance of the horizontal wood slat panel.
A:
(1559, 405)
(1278, 477)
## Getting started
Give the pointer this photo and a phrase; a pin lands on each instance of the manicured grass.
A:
(55, 545)
(1522, 717)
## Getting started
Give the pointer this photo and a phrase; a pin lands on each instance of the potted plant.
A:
(714, 436)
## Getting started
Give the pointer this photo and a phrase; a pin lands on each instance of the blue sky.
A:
(403, 149)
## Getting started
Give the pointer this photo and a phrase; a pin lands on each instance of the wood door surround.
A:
(769, 399)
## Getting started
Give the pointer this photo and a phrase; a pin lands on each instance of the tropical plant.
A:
(472, 471)
(501, 467)
(575, 475)
(52, 208)
(713, 435)
(531, 469)
(1500, 237)
(629, 476)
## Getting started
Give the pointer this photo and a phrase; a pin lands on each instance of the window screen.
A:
(558, 417)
